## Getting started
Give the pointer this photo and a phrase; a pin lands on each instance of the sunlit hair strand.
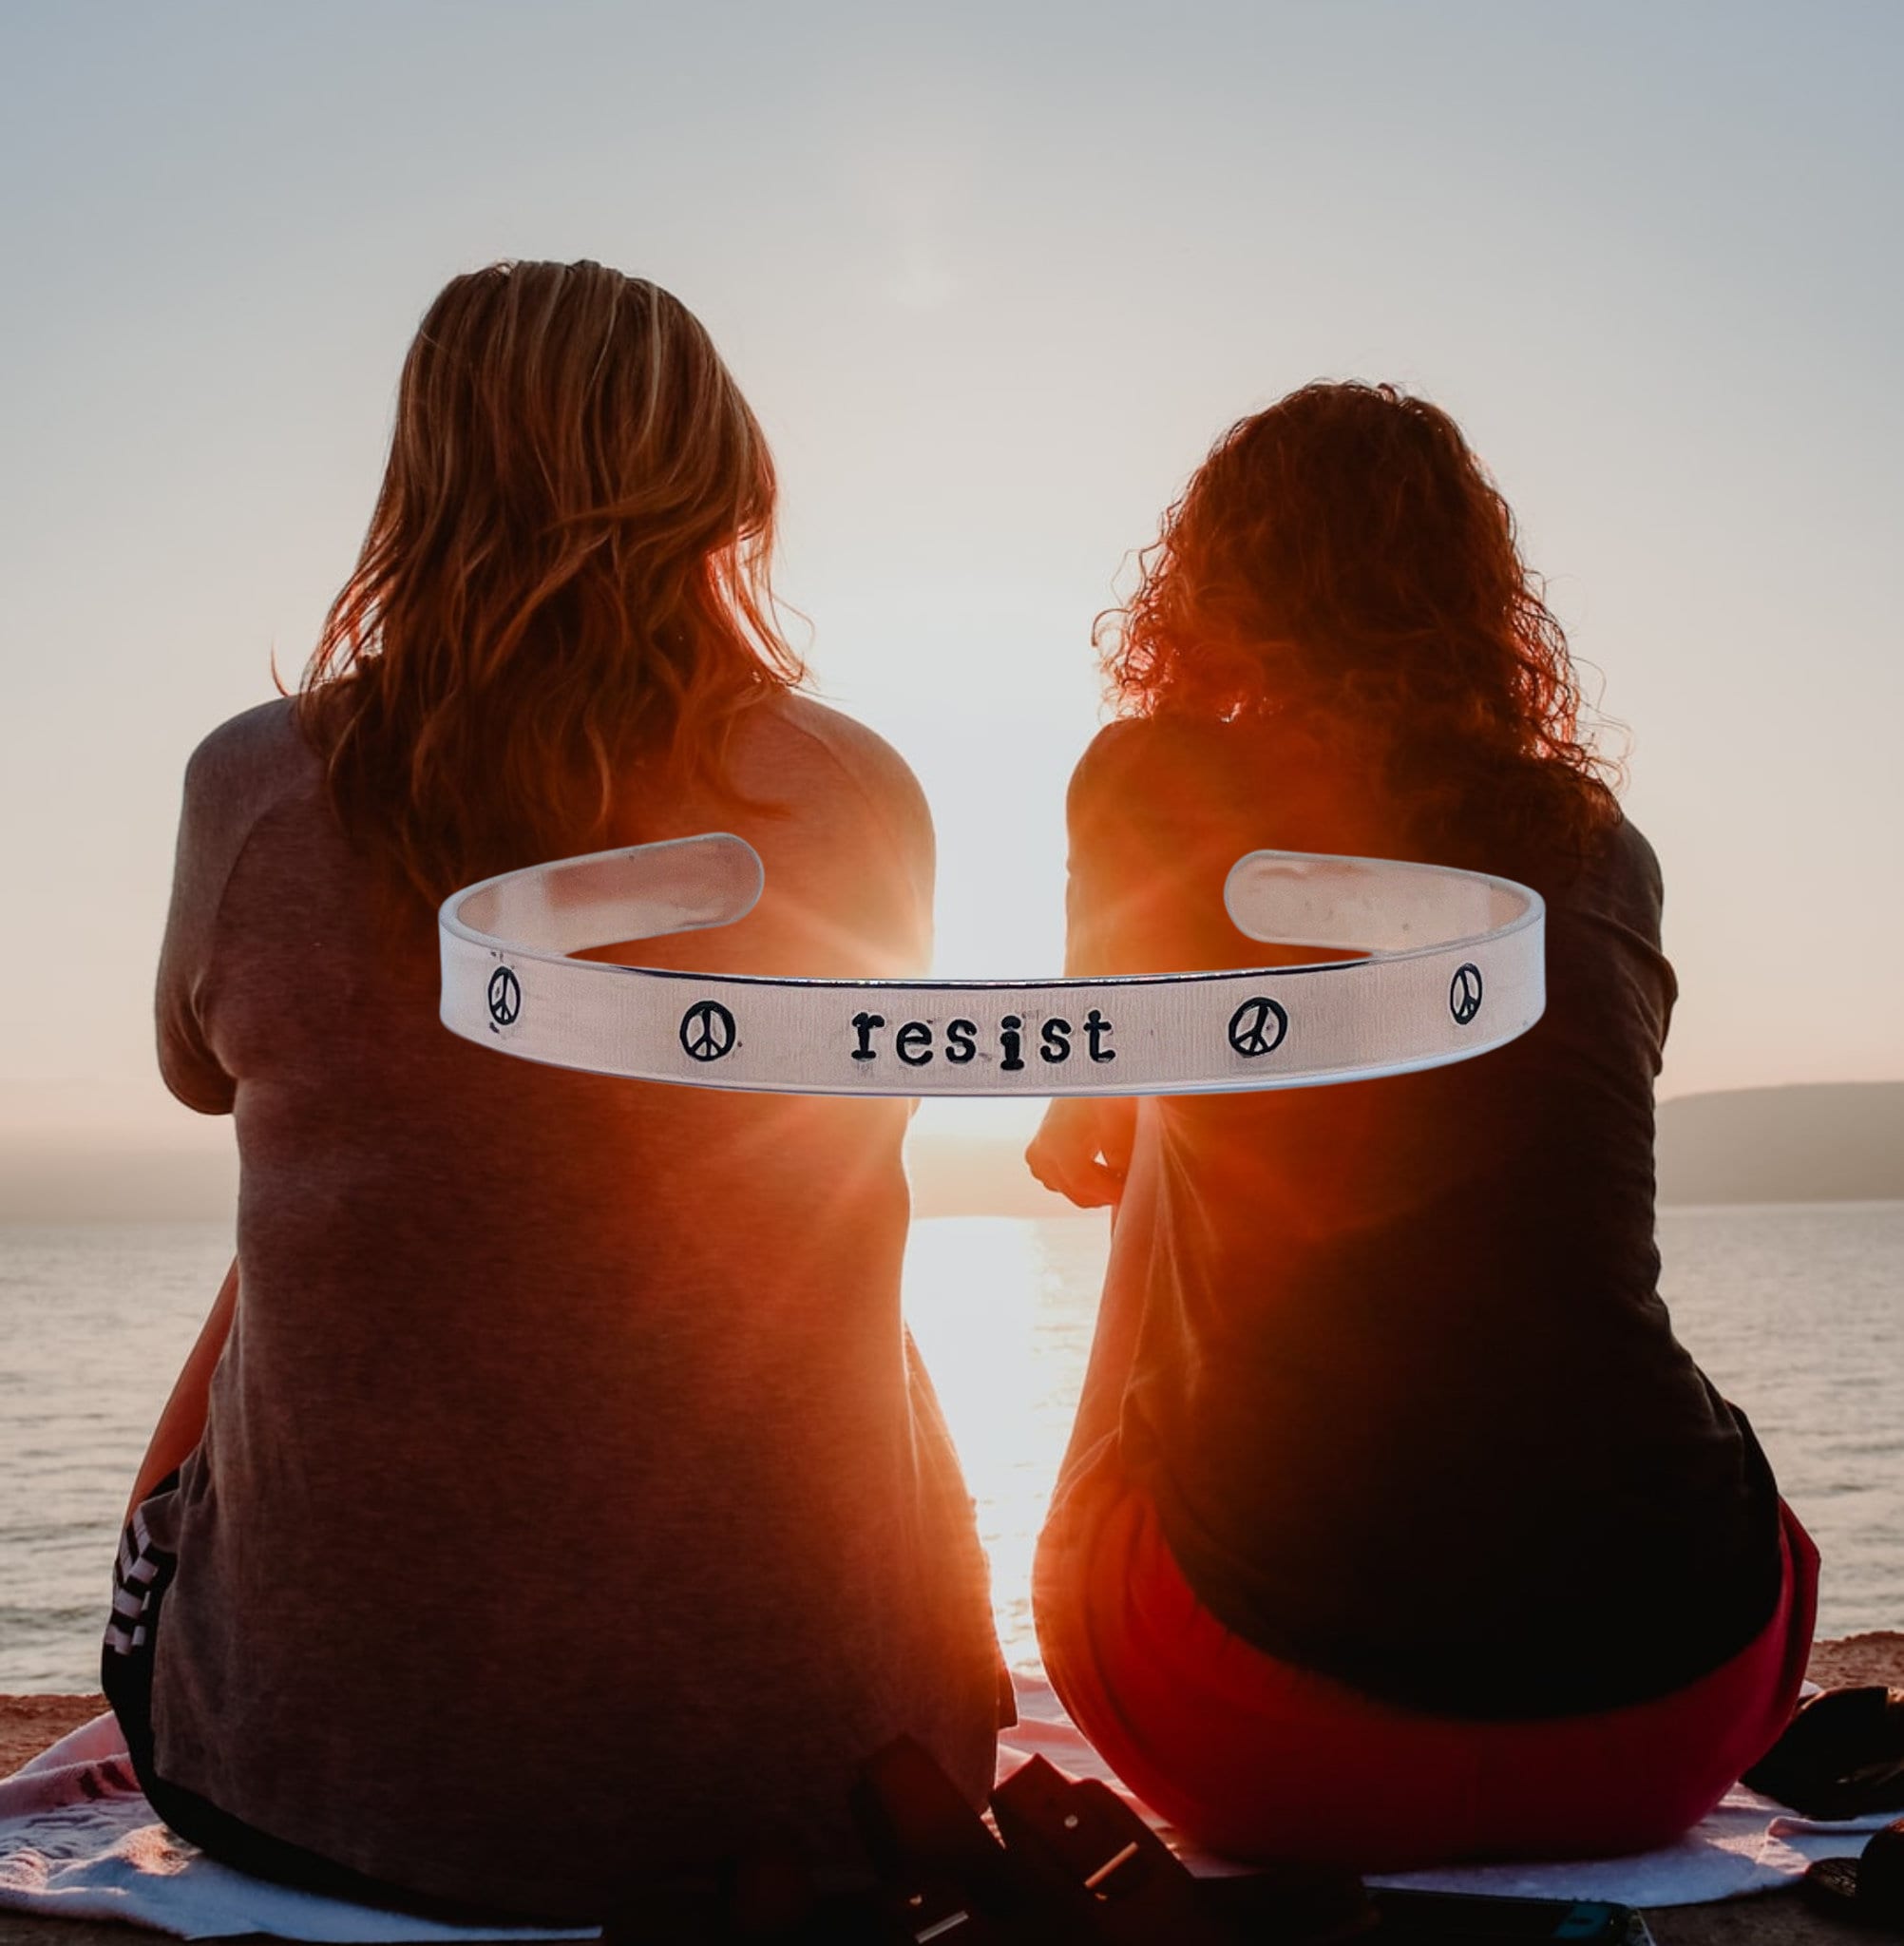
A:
(1342, 562)
(562, 606)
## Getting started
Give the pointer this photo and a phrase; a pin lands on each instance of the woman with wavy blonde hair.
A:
(1396, 1526)
(554, 1497)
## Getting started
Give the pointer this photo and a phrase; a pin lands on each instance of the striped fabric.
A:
(140, 1573)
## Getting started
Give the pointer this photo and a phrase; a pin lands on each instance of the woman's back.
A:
(1404, 1392)
(569, 1491)
(1396, 1528)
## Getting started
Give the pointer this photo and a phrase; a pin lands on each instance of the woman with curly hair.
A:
(1396, 1526)
(554, 1499)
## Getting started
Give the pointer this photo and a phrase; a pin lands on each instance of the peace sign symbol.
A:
(707, 1030)
(1257, 1026)
(506, 997)
(1464, 993)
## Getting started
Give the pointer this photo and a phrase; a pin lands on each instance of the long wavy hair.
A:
(562, 606)
(1343, 564)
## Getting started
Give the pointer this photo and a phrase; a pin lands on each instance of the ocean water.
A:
(1795, 1311)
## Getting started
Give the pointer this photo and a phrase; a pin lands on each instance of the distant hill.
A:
(1817, 1142)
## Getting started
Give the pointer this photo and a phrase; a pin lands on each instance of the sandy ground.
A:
(29, 1722)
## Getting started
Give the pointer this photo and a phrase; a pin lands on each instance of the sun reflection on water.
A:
(1002, 1310)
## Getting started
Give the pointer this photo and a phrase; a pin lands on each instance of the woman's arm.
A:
(209, 838)
(1083, 1147)
(182, 1425)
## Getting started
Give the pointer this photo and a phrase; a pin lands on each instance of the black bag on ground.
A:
(1841, 1756)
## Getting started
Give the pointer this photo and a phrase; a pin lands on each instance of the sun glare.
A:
(1002, 1311)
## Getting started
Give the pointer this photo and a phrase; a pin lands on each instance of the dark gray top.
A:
(572, 1500)
(1403, 1390)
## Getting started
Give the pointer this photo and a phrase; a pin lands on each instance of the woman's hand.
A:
(1082, 1149)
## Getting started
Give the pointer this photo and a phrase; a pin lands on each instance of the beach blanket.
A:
(78, 1839)
(1748, 1844)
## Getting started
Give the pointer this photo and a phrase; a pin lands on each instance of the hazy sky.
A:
(993, 276)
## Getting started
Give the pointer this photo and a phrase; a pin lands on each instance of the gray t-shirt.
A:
(571, 1500)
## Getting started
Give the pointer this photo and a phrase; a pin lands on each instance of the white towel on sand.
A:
(78, 1839)
(1748, 1844)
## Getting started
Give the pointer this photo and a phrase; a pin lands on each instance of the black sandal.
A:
(1870, 1889)
(1078, 1867)
(1841, 1756)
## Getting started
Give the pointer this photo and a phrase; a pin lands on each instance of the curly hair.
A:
(563, 586)
(1342, 562)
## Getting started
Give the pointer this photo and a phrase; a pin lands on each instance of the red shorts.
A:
(1257, 1759)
